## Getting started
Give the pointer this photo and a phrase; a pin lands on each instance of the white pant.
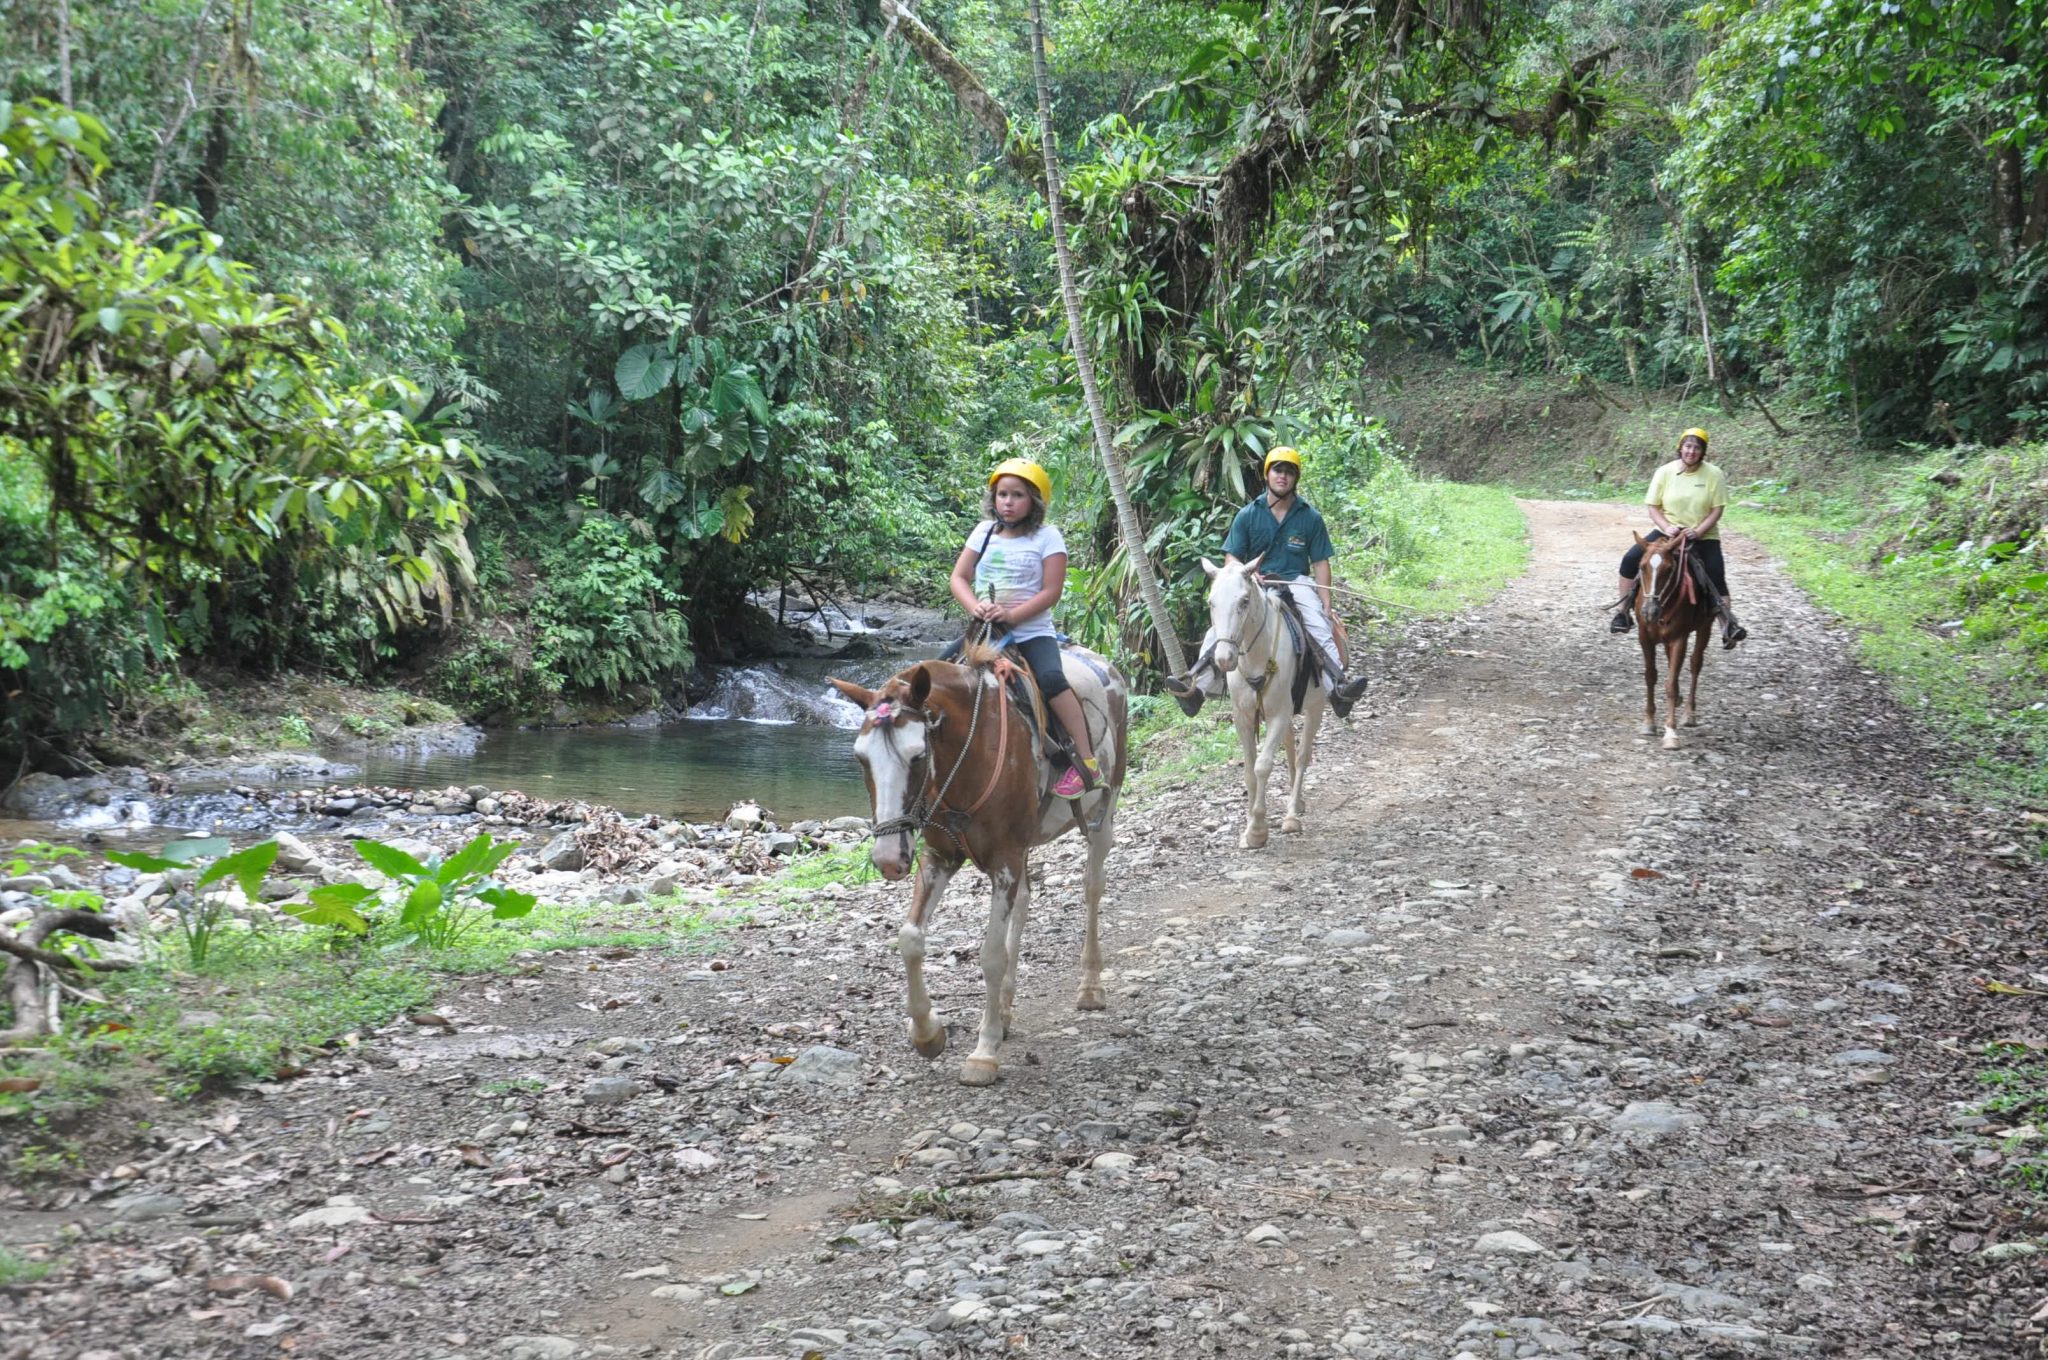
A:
(1309, 599)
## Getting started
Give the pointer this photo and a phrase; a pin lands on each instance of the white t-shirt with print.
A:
(1016, 569)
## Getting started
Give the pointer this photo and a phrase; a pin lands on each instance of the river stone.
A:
(539, 1347)
(610, 1090)
(476, 793)
(562, 853)
(144, 1207)
(1348, 939)
(1654, 1119)
(293, 854)
(847, 824)
(781, 842)
(330, 1216)
(1862, 1057)
(27, 883)
(824, 1065)
(1508, 1244)
(745, 817)
(677, 1293)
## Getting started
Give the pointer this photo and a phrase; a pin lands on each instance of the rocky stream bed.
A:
(1539, 1041)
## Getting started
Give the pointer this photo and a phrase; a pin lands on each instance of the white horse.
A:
(1257, 654)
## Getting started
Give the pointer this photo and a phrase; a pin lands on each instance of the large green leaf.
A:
(246, 867)
(643, 371)
(506, 904)
(389, 860)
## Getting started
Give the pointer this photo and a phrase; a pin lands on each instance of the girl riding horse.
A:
(1009, 576)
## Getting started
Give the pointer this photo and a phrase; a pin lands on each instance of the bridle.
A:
(1244, 646)
(1680, 586)
(923, 812)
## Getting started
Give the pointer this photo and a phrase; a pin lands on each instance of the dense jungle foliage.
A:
(514, 347)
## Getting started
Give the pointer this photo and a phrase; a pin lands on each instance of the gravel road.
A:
(1539, 1040)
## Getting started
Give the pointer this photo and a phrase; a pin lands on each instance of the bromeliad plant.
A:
(438, 902)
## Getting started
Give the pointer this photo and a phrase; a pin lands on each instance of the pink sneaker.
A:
(1070, 785)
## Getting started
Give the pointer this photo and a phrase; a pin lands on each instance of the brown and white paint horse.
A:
(1670, 612)
(947, 756)
(1256, 652)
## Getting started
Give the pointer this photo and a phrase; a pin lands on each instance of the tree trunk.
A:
(1112, 464)
(2008, 200)
(64, 52)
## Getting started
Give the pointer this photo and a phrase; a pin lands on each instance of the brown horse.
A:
(1670, 613)
(948, 756)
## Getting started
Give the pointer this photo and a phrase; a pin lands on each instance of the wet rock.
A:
(745, 817)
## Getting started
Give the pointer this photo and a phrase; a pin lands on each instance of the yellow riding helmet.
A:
(1029, 471)
(1282, 453)
(1697, 432)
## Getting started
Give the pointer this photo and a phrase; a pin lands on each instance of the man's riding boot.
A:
(1347, 694)
(1185, 693)
(1622, 621)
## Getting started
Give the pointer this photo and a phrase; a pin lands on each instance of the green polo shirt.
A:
(1290, 546)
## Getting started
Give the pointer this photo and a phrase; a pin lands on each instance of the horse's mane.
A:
(976, 655)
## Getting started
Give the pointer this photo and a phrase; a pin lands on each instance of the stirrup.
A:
(1731, 635)
(1621, 622)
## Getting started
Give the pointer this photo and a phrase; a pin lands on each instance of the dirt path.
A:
(1539, 1041)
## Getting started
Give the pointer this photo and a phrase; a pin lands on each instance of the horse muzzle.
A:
(891, 855)
(1225, 657)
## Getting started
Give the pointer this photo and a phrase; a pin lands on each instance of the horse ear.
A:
(864, 697)
(1211, 569)
(1251, 568)
(1641, 542)
(920, 687)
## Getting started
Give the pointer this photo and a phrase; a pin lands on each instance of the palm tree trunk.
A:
(1112, 465)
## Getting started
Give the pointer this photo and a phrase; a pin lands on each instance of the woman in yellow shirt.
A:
(1685, 500)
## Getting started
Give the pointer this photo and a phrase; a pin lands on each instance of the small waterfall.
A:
(770, 694)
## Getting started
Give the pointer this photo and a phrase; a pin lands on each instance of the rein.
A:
(1683, 591)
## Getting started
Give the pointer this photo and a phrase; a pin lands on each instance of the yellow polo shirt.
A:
(1686, 498)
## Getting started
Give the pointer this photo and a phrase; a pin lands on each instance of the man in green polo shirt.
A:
(1289, 535)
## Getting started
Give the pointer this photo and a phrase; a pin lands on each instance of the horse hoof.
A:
(1670, 740)
(1092, 999)
(1290, 825)
(978, 1072)
(1648, 729)
(929, 1047)
(1252, 840)
(1690, 721)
